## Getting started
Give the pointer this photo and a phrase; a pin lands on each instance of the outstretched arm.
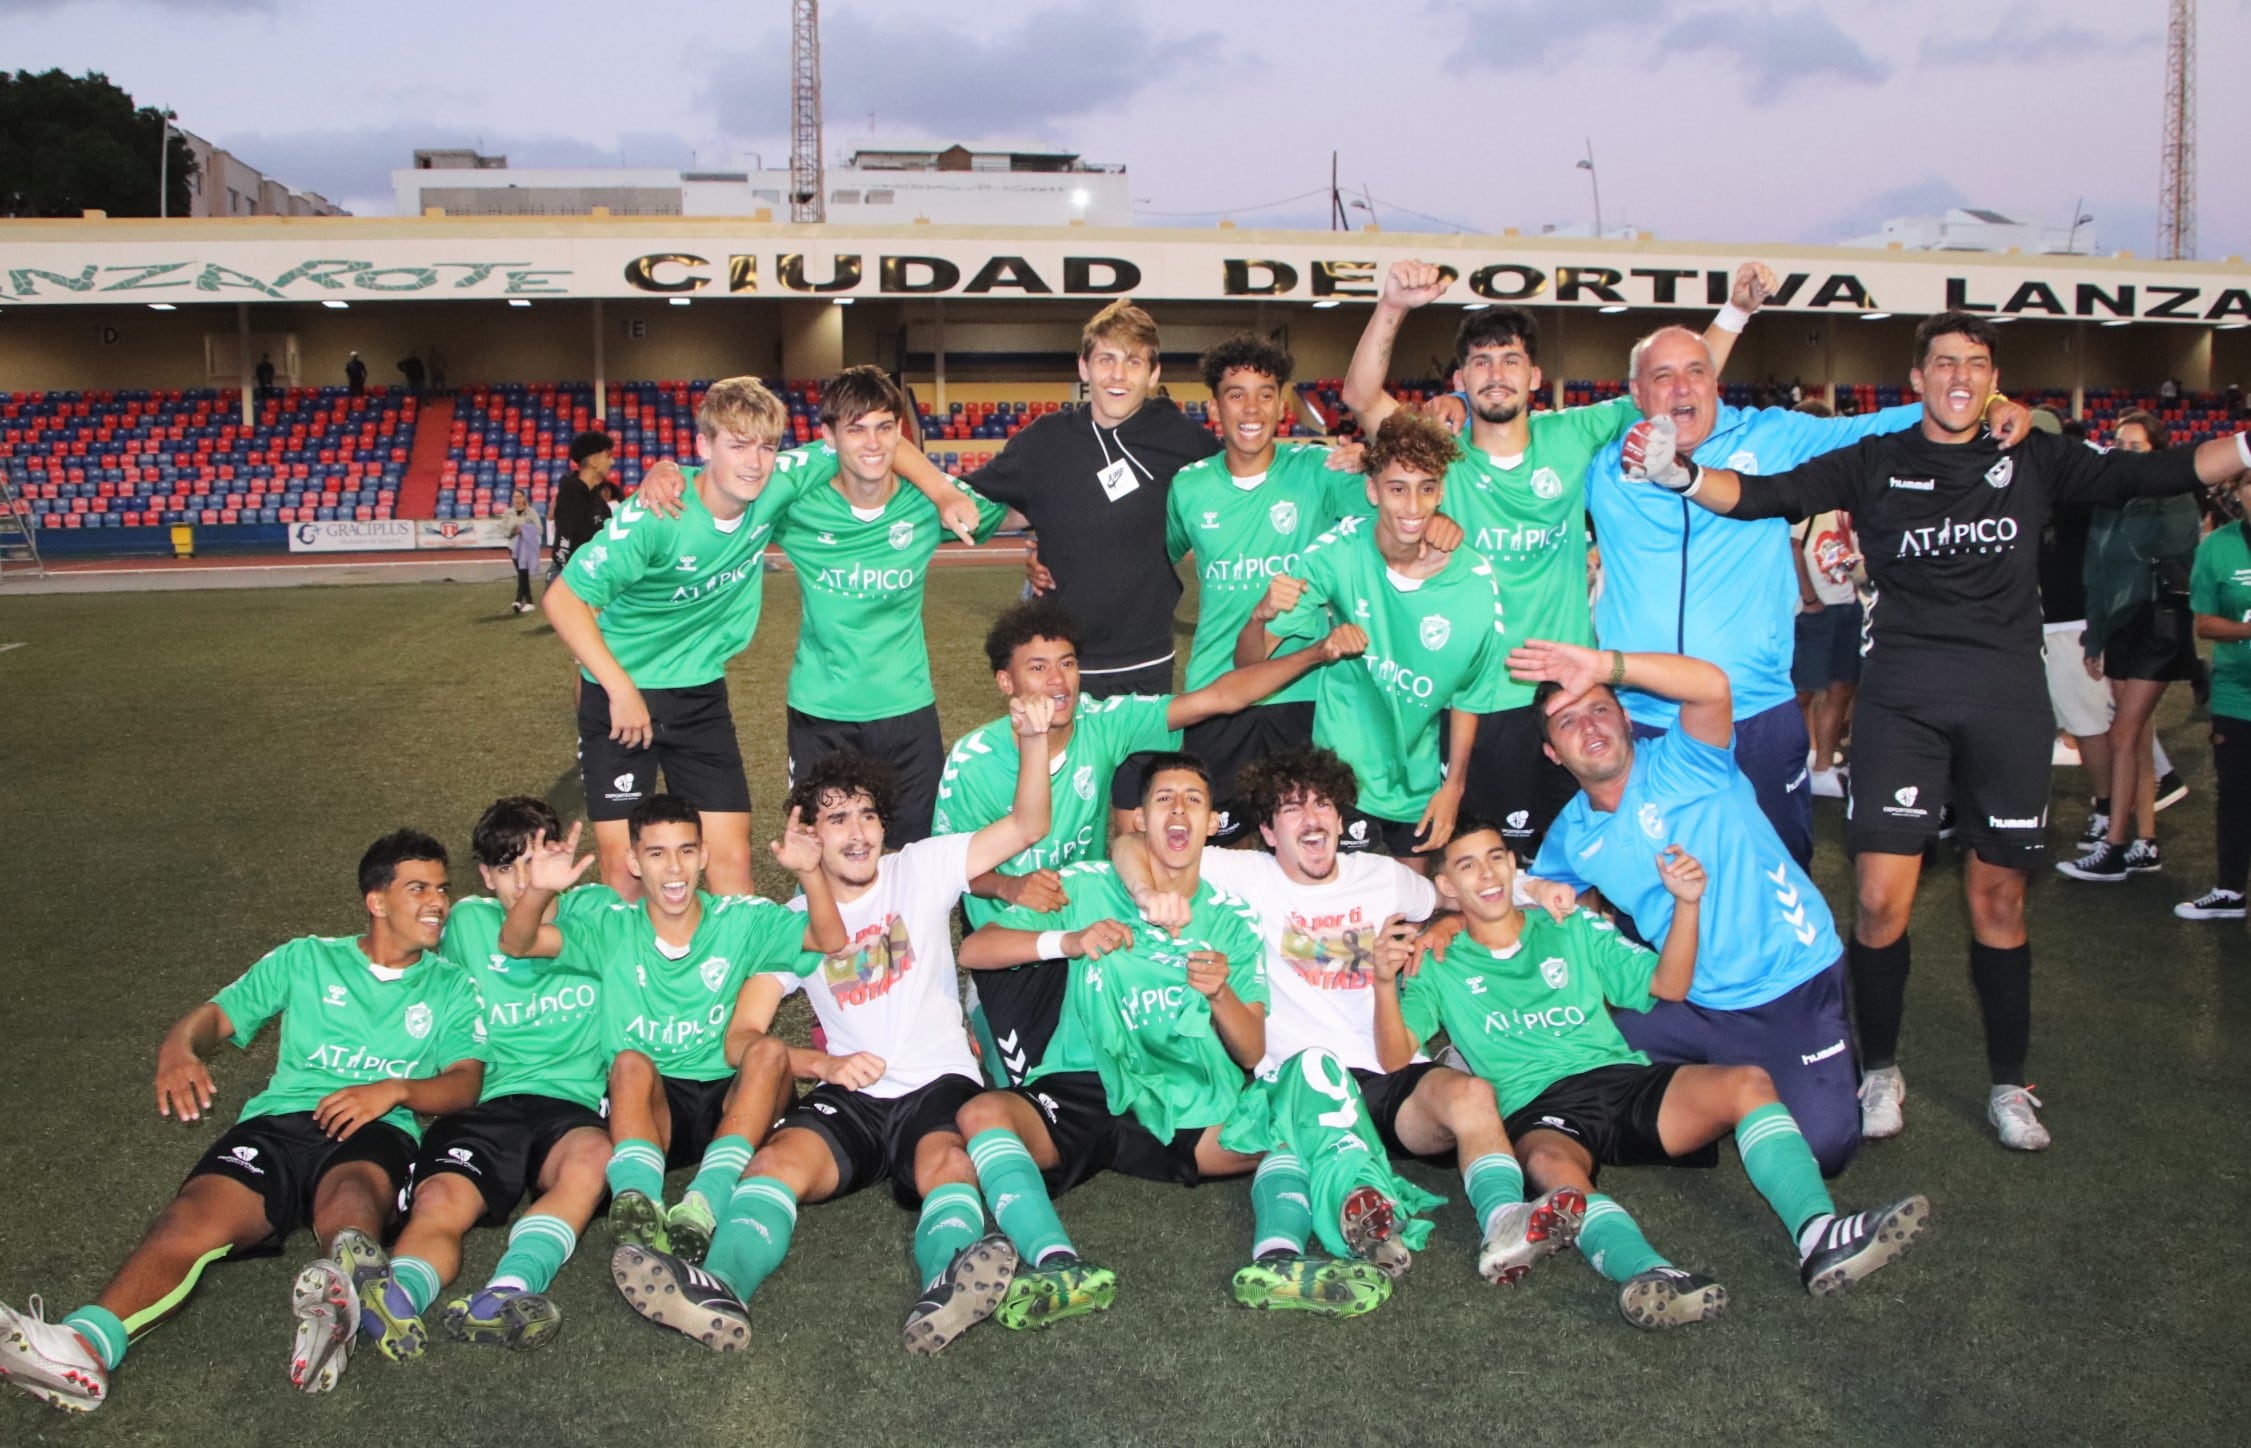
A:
(526, 933)
(1240, 688)
(1406, 286)
(1706, 703)
(1676, 964)
(1754, 283)
(1027, 822)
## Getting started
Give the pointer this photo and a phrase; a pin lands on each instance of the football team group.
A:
(1453, 848)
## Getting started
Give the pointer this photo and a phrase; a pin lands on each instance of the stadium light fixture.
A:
(1875, 316)
(162, 307)
(1610, 311)
(518, 302)
(1324, 306)
(845, 301)
(1475, 306)
(2119, 322)
(335, 306)
(1081, 197)
(680, 301)
(2232, 326)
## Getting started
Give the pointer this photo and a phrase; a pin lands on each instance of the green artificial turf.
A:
(187, 779)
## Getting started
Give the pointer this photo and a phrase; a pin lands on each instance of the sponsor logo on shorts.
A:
(244, 1157)
(621, 788)
(2038, 821)
(1838, 1049)
(1283, 516)
(1904, 807)
(1358, 830)
(1225, 822)
(1048, 1109)
(824, 1108)
(460, 1154)
(418, 1020)
(1915, 485)
(1519, 822)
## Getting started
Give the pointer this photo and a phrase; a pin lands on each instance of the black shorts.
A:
(1612, 1112)
(1226, 744)
(1150, 678)
(1512, 782)
(909, 743)
(696, 1108)
(1014, 1015)
(874, 1137)
(1365, 833)
(1986, 756)
(694, 745)
(2158, 643)
(1089, 1139)
(1828, 648)
(1385, 1092)
(283, 1158)
(502, 1146)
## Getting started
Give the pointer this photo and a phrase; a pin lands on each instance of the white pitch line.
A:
(5, 647)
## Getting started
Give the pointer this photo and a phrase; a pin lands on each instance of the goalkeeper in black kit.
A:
(1953, 705)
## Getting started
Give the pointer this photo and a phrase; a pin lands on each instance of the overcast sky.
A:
(1739, 120)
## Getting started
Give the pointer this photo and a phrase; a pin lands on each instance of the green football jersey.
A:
(2220, 585)
(675, 1011)
(1530, 520)
(346, 1021)
(860, 575)
(1429, 641)
(1243, 532)
(978, 785)
(678, 597)
(1529, 1018)
(1133, 1018)
(542, 1026)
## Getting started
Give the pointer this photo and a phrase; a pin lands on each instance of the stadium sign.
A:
(387, 535)
(88, 267)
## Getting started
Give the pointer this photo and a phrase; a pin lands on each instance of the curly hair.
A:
(1247, 352)
(843, 775)
(504, 830)
(1412, 441)
(1020, 623)
(1296, 776)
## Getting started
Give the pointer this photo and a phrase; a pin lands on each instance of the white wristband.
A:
(1732, 319)
(2243, 447)
(1049, 945)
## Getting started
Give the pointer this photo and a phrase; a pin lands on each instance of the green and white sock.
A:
(1281, 1205)
(1612, 1241)
(1782, 1167)
(538, 1246)
(418, 1280)
(753, 1235)
(1018, 1198)
(723, 1165)
(637, 1165)
(1493, 1181)
(101, 1327)
(952, 1217)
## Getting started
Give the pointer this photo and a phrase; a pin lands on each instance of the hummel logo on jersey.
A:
(901, 534)
(1476, 984)
(1283, 516)
(687, 563)
(418, 1020)
(714, 972)
(1360, 608)
(1914, 485)
(1652, 821)
(1555, 972)
(829, 538)
(1436, 629)
(335, 996)
(2001, 472)
(1545, 484)
(1211, 521)
(1589, 852)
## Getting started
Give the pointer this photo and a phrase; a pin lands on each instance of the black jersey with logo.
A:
(1951, 532)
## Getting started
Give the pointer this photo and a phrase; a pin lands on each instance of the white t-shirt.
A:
(1827, 541)
(891, 991)
(1322, 989)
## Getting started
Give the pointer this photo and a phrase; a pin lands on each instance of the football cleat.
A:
(965, 1294)
(327, 1311)
(1525, 1232)
(1058, 1289)
(681, 1296)
(50, 1361)
(1324, 1285)
(1666, 1297)
(503, 1317)
(1849, 1248)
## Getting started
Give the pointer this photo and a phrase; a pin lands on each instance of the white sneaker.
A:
(1828, 784)
(327, 1311)
(1881, 1093)
(2010, 1110)
(2212, 905)
(50, 1361)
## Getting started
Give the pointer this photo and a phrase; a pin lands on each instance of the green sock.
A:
(417, 1279)
(1281, 1205)
(637, 1166)
(723, 1166)
(952, 1218)
(1613, 1243)
(1493, 1181)
(538, 1246)
(100, 1326)
(753, 1234)
(1782, 1167)
(1012, 1186)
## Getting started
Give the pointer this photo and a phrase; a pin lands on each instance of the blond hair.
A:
(1120, 322)
(743, 406)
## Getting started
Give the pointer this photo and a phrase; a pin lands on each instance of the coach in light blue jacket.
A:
(1679, 580)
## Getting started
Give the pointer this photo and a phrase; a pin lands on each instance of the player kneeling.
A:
(1525, 1000)
(374, 1030)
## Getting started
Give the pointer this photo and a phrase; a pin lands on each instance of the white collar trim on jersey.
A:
(669, 951)
(386, 973)
(1505, 462)
(1401, 581)
(1248, 481)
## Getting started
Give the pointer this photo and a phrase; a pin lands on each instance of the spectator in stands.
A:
(580, 509)
(355, 374)
(265, 373)
(523, 527)
(1826, 665)
(437, 361)
(411, 368)
(2220, 593)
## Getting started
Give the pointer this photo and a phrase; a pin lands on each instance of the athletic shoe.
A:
(2143, 858)
(503, 1317)
(1525, 1232)
(681, 1296)
(326, 1309)
(50, 1361)
(2103, 864)
(2098, 827)
(1322, 1285)
(2171, 789)
(1666, 1297)
(691, 1226)
(1847, 1249)
(965, 1294)
(387, 1315)
(639, 1219)
(1369, 1224)
(2009, 1108)
(1828, 784)
(2214, 904)
(1062, 1287)
(1881, 1093)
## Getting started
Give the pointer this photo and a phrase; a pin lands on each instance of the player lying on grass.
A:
(537, 1128)
(1326, 918)
(1147, 1064)
(374, 1029)
(672, 968)
(1526, 1000)
(893, 1069)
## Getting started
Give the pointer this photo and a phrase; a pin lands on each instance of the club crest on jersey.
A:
(1545, 484)
(2000, 474)
(901, 534)
(1554, 972)
(1743, 462)
(418, 1020)
(1652, 821)
(714, 972)
(1082, 780)
(1283, 515)
(1436, 629)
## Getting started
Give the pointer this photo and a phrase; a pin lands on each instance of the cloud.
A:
(237, 7)
(1777, 50)
(1514, 33)
(2018, 38)
(353, 167)
(952, 81)
(1927, 197)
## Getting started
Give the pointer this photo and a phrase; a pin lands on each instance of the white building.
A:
(226, 185)
(954, 186)
(1971, 229)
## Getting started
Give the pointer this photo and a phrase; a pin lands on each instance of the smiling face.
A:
(1119, 378)
(1176, 816)
(415, 904)
(1956, 381)
(1477, 875)
(1590, 736)
(1405, 501)
(864, 446)
(1674, 376)
(1250, 408)
(1499, 380)
(1303, 837)
(1044, 666)
(667, 858)
(851, 835)
(737, 464)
